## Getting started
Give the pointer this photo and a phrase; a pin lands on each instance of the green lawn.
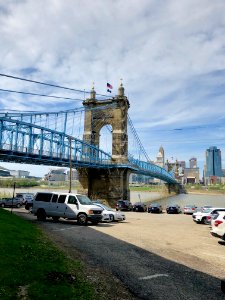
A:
(31, 267)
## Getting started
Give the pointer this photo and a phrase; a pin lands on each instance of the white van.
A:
(66, 205)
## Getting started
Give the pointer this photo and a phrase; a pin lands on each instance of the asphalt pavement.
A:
(146, 274)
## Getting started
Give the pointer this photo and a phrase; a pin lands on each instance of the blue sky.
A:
(170, 54)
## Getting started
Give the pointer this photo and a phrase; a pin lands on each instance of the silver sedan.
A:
(114, 215)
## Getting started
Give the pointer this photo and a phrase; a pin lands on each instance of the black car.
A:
(123, 205)
(139, 206)
(155, 208)
(173, 209)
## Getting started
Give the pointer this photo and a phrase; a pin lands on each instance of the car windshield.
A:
(105, 207)
(208, 210)
(84, 200)
(154, 205)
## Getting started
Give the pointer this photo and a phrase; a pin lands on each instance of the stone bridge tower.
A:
(109, 184)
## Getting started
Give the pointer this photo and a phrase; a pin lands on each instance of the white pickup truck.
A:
(66, 205)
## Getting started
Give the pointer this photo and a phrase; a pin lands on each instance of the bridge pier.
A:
(174, 187)
(105, 184)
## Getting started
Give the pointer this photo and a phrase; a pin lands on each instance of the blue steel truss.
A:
(24, 142)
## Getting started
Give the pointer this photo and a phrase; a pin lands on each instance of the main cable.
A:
(49, 84)
(41, 95)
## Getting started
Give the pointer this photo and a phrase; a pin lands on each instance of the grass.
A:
(31, 267)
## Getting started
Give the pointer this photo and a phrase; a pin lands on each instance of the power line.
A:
(41, 95)
(49, 84)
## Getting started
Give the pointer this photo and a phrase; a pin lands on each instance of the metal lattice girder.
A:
(25, 142)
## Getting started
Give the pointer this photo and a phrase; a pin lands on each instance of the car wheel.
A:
(55, 219)
(2, 204)
(41, 215)
(112, 218)
(18, 205)
(82, 219)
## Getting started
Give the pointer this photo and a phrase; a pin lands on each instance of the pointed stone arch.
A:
(109, 184)
(112, 112)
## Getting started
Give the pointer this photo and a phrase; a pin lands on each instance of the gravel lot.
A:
(186, 258)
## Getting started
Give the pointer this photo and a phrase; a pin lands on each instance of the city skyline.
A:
(170, 55)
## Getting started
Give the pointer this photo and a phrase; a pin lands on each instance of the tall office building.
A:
(213, 162)
(193, 162)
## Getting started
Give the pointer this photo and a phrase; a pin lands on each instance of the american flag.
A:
(109, 85)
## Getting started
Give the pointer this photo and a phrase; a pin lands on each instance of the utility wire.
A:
(41, 95)
(49, 84)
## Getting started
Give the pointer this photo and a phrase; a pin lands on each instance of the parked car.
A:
(155, 208)
(66, 205)
(123, 205)
(113, 215)
(139, 206)
(189, 209)
(11, 202)
(218, 226)
(205, 215)
(25, 197)
(206, 207)
(173, 209)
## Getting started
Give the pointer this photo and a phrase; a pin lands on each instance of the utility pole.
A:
(70, 183)
(14, 187)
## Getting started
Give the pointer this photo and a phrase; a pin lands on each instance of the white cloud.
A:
(169, 54)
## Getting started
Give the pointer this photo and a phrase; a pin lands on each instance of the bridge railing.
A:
(30, 143)
(27, 139)
(150, 169)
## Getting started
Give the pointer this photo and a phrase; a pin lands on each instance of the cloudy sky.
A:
(170, 54)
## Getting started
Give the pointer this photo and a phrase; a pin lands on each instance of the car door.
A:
(71, 208)
(60, 206)
(53, 210)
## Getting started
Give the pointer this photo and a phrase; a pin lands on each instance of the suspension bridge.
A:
(62, 138)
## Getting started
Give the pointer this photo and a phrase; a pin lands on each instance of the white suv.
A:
(218, 226)
(202, 215)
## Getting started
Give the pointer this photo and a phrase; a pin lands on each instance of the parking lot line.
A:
(62, 229)
(153, 276)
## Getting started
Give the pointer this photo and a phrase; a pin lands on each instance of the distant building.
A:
(56, 175)
(160, 158)
(182, 164)
(193, 162)
(213, 171)
(4, 173)
(75, 175)
(19, 173)
(191, 175)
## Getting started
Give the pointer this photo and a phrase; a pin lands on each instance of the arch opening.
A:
(105, 139)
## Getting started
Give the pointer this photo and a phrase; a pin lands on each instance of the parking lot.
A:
(148, 253)
(171, 236)
(175, 237)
